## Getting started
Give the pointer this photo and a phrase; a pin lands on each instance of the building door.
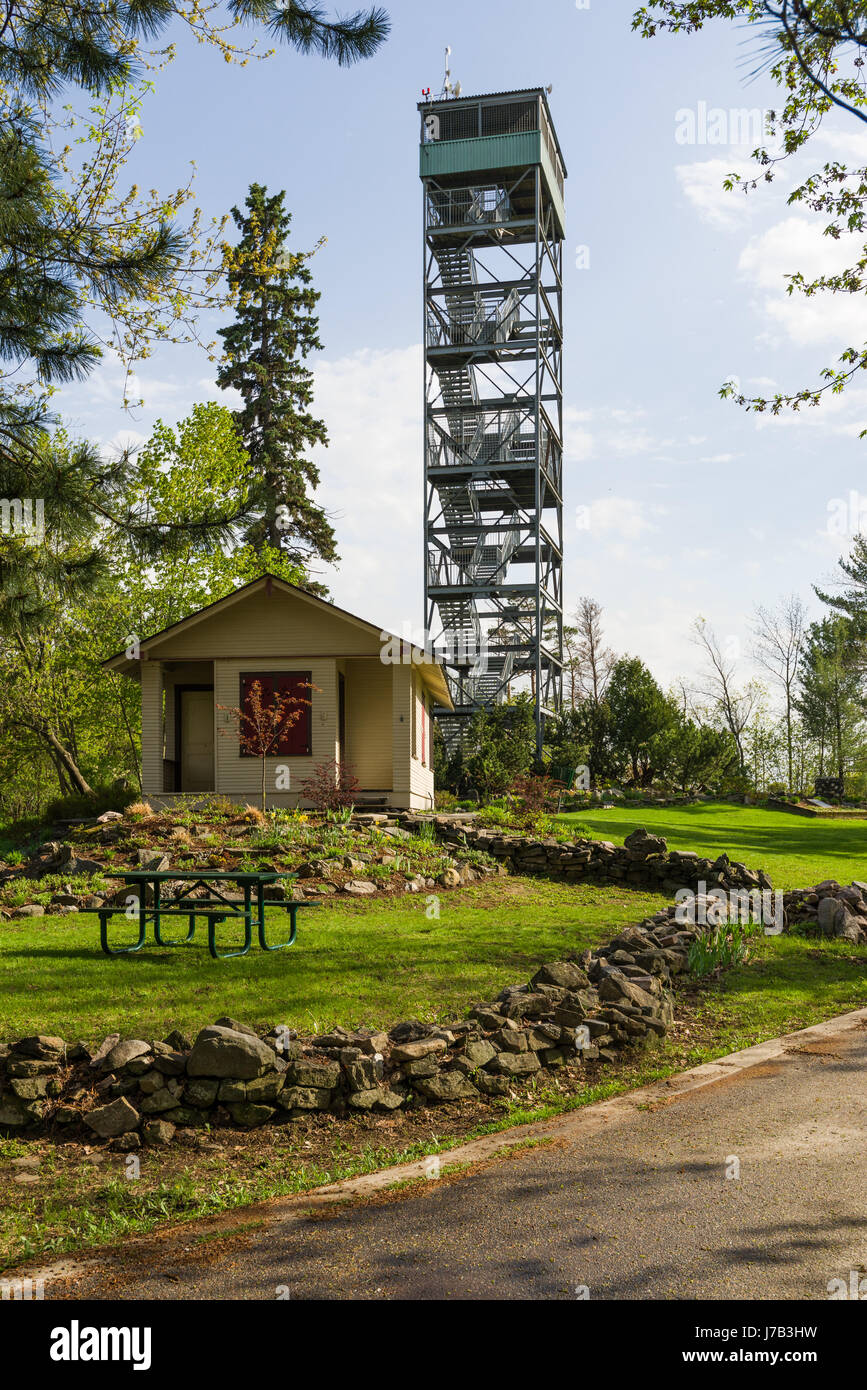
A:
(197, 740)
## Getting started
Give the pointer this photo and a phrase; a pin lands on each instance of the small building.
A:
(370, 699)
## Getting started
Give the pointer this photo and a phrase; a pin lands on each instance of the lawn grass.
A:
(797, 852)
(354, 963)
(787, 983)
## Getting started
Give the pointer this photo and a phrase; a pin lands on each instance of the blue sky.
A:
(694, 507)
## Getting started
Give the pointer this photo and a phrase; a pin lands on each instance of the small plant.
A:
(721, 949)
(140, 810)
(425, 831)
(331, 787)
(341, 816)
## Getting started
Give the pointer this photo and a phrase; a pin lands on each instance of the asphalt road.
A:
(629, 1199)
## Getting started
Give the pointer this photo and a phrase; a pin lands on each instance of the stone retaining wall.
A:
(643, 861)
(130, 1090)
(586, 1007)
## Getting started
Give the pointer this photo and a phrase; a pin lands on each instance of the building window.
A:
(296, 741)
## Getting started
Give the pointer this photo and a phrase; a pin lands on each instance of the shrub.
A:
(533, 797)
(332, 787)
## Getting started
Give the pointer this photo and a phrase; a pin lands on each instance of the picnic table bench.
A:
(215, 907)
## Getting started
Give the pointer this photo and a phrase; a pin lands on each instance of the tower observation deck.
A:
(494, 222)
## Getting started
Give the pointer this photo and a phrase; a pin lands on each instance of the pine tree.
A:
(275, 330)
(73, 247)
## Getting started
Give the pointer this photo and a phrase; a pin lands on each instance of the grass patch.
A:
(795, 851)
(786, 984)
(354, 963)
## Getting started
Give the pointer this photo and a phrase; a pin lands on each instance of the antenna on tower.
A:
(450, 89)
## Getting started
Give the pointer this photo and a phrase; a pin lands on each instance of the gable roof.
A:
(430, 670)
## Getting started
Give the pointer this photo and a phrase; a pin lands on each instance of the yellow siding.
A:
(256, 625)
(152, 726)
(369, 723)
(413, 782)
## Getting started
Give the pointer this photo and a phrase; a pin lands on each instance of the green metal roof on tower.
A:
(493, 133)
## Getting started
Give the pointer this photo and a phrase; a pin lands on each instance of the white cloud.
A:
(701, 183)
(622, 517)
(798, 244)
(372, 481)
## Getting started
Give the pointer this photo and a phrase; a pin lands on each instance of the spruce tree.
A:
(275, 330)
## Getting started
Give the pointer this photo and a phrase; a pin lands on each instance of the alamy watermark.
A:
(714, 125)
(23, 517)
(718, 907)
(455, 648)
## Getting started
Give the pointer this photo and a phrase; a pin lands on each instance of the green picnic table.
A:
(216, 907)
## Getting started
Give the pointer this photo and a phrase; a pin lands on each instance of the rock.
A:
(515, 1063)
(160, 1100)
(448, 1085)
(251, 1115)
(359, 887)
(202, 1092)
(265, 1089)
(220, 1052)
(24, 1067)
(235, 1026)
(563, 973)
(491, 1085)
(616, 986)
(168, 1063)
(30, 910)
(232, 1092)
(376, 1099)
(125, 1143)
(449, 878)
(103, 1050)
(827, 915)
(311, 1071)
(487, 1016)
(410, 1030)
(125, 1051)
(108, 1121)
(177, 1041)
(642, 843)
(158, 1132)
(414, 1051)
(188, 1116)
(12, 1113)
(424, 1066)
(362, 1075)
(154, 860)
(846, 926)
(304, 1098)
(108, 816)
(40, 1048)
(478, 1052)
(33, 1087)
